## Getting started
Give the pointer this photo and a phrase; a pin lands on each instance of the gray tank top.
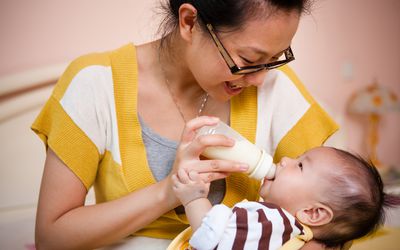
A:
(161, 153)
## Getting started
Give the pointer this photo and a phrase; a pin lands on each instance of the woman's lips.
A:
(232, 89)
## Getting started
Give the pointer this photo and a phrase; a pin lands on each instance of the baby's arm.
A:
(196, 210)
(192, 192)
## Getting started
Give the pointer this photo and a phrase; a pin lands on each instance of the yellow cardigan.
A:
(119, 168)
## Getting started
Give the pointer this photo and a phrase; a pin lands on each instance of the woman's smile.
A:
(232, 89)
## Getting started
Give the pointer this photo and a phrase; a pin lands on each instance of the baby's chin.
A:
(264, 191)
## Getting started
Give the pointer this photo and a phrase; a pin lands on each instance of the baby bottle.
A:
(259, 162)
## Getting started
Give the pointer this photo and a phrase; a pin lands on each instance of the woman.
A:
(115, 119)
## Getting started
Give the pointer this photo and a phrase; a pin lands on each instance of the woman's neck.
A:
(171, 60)
(167, 65)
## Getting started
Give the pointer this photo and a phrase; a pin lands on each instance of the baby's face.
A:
(300, 182)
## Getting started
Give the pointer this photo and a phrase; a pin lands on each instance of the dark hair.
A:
(358, 201)
(230, 14)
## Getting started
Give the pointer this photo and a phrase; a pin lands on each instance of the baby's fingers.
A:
(183, 176)
(194, 176)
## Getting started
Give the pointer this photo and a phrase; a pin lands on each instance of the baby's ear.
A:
(317, 214)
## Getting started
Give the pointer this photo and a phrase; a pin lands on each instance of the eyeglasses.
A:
(236, 70)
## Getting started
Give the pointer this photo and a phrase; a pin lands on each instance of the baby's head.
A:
(339, 195)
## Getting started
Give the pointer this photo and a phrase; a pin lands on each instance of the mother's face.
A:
(259, 41)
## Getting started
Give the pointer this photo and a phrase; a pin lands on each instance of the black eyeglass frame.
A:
(236, 70)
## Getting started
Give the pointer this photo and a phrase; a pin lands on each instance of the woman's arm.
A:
(63, 222)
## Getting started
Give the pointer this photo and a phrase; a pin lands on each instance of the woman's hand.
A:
(191, 147)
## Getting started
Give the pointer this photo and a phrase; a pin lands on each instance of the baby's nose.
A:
(287, 161)
(284, 161)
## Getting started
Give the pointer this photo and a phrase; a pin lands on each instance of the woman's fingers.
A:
(209, 170)
(209, 177)
(189, 132)
(195, 177)
(200, 143)
(224, 166)
(192, 146)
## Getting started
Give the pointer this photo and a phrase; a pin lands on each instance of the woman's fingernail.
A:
(214, 118)
(243, 167)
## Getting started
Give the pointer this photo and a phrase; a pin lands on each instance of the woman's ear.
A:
(317, 214)
(187, 20)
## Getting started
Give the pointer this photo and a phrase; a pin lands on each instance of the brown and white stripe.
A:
(259, 225)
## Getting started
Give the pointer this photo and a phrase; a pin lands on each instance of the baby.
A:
(326, 194)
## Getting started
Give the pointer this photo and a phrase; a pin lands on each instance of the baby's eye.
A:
(300, 165)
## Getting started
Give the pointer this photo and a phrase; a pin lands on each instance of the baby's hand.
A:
(189, 186)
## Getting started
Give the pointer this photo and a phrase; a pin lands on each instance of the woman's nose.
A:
(256, 78)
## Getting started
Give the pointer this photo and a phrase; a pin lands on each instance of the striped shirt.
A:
(249, 225)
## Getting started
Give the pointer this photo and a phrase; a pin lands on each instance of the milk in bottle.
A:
(260, 163)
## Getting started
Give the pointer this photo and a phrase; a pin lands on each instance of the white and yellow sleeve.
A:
(76, 119)
(289, 120)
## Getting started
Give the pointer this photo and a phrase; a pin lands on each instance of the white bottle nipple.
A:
(265, 168)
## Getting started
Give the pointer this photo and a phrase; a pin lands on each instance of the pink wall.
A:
(42, 32)
(363, 35)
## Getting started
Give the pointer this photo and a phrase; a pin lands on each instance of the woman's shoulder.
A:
(93, 71)
(285, 81)
(101, 59)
